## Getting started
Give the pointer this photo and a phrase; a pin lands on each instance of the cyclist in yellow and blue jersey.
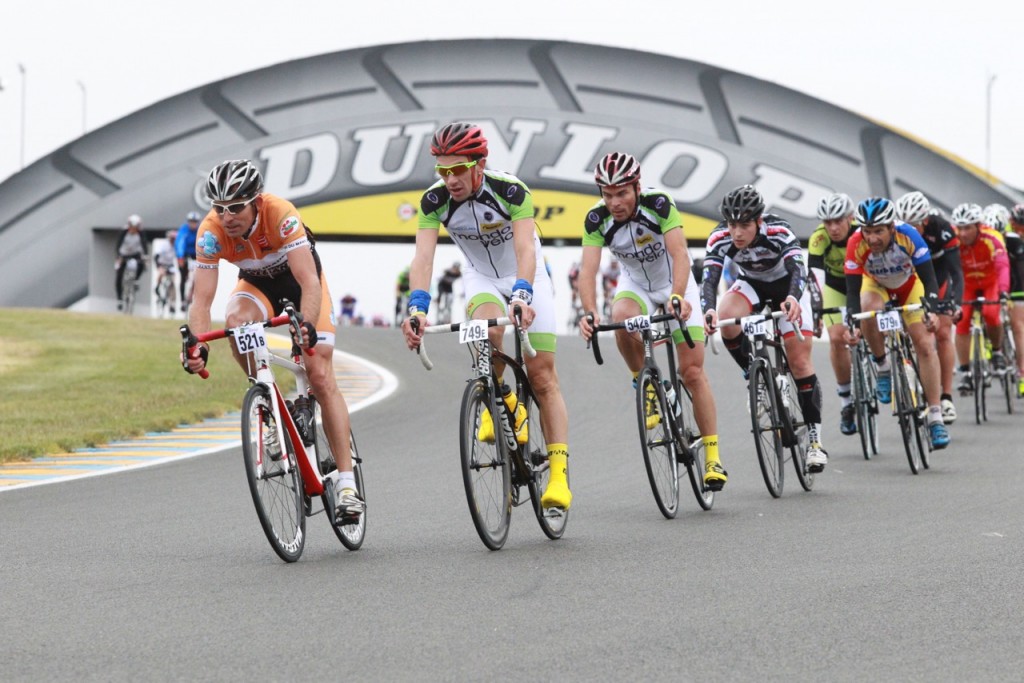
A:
(489, 216)
(826, 255)
(888, 260)
(643, 230)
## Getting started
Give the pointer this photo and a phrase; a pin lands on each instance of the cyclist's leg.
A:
(118, 276)
(872, 298)
(739, 300)
(840, 357)
(630, 300)
(994, 324)
(944, 345)
(245, 304)
(691, 369)
(1017, 324)
(798, 353)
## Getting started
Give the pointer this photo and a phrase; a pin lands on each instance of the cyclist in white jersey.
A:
(771, 268)
(489, 216)
(643, 230)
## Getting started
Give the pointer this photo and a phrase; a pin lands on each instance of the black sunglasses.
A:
(233, 209)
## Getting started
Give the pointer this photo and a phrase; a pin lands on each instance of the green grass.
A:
(71, 380)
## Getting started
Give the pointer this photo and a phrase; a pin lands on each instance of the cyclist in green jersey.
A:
(826, 256)
(643, 230)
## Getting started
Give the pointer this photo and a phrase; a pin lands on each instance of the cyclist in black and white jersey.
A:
(644, 232)
(489, 215)
(771, 269)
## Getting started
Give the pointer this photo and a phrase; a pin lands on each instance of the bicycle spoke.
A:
(485, 468)
(657, 443)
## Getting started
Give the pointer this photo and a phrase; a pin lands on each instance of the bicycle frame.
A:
(261, 360)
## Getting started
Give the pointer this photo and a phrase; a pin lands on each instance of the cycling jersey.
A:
(185, 242)
(131, 244)
(774, 257)
(166, 258)
(481, 225)
(1015, 253)
(941, 238)
(829, 256)
(985, 263)
(638, 243)
(446, 282)
(893, 269)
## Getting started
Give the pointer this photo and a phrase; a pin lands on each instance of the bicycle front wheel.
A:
(767, 426)
(906, 410)
(275, 485)
(1009, 376)
(865, 401)
(553, 520)
(657, 443)
(978, 375)
(486, 471)
(694, 442)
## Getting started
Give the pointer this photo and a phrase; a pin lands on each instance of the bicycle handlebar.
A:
(516, 320)
(774, 315)
(190, 340)
(864, 315)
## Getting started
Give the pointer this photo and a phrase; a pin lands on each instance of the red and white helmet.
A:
(617, 168)
(459, 139)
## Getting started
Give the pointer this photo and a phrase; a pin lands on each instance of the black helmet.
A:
(743, 204)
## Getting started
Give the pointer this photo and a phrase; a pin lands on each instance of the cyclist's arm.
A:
(423, 260)
(926, 271)
(523, 231)
(956, 275)
(853, 282)
(794, 265)
(1002, 265)
(709, 284)
(586, 282)
(204, 287)
(303, 267)
(120, 241)
(675, 244)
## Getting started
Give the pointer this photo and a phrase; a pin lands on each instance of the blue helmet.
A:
(876, 211)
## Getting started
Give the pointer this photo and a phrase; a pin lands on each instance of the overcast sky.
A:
(921, 67)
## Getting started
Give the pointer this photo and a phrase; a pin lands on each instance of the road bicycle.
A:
(675, 439)
(777, 421)
(129, 285)
(909, 403)
(863, 378)
(494, 472)
(288, 459)
(980, 370)
(166, 295)
(1008, 376)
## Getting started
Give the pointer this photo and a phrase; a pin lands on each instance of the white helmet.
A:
(834, 206)
(134, 221)
(996, 216)
(913, 207)
(966, 214)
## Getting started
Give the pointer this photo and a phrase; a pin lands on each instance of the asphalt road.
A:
(164, 574)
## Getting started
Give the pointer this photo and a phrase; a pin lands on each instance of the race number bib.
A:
(472, 331)
(890, 321)
(249, 338)
(754, 325)
(638, 323)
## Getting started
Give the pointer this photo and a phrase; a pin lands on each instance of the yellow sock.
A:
(558, 456)
(710, 448)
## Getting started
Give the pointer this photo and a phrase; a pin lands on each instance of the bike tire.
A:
(767, 427)
(276, 494)
(978, 375)
(921, 438)
(658, 446)
(906, 411)
(691, 436)
(552, 521)
(865, 402)
(352, 534)
(799, 445)
(486, 468)
(1009, 376)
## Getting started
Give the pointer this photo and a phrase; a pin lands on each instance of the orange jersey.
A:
(264, 253)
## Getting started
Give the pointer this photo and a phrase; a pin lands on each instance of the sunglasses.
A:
(454, 169)
(233, 209)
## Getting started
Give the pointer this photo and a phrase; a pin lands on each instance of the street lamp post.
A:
(82, 86)
(988, 126)
(24, 78)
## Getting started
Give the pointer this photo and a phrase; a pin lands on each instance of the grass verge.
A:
(72, 380)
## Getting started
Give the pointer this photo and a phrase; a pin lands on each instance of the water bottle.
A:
(302, 412)
(670, 396)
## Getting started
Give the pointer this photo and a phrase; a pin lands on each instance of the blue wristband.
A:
(419, 300)
(522, 291)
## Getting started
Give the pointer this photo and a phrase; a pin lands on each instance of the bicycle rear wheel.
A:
(276, 492)
(486, 471)
(351, 531)
(1009, 376)
(658, 445)
(921, 438)
(798, 426)
(767, 426)
(552, 521)
(695, 443)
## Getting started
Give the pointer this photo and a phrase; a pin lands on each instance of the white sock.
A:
(346, 480)
(844, 394)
